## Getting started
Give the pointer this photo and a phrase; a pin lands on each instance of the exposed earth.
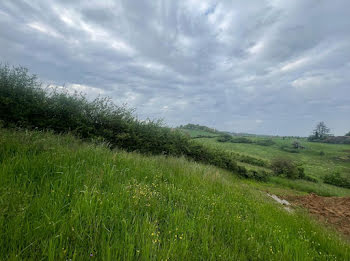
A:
(332, 210)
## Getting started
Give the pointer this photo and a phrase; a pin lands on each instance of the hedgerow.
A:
(24, 103)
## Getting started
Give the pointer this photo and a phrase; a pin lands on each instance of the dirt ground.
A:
(332, 210)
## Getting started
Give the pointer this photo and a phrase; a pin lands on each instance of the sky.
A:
(265, 66)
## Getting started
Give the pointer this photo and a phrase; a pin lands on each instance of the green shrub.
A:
(337, 180)
(286, 167)
(266, 142)
(241, 140)
(250, 160)
(224, 138)
(258, 175)
(311, 179)
(322, 153)
(203, 136)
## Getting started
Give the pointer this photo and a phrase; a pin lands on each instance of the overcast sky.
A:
(266, 67)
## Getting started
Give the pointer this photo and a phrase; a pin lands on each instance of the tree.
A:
(297, 145)
(321, 131)
(347, 134)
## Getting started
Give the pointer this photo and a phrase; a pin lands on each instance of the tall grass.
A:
(62, 199)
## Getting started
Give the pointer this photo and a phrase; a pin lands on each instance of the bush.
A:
(203, 136)
(258, 175)
(224, 138)
(25, 104)
(322, 153)
(337, 180)
(267, 142)
(254, 174)
(311, 179)
(287, 168)
(250, 160)
(241, 140)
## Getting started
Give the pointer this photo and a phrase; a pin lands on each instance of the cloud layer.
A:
(272, 67)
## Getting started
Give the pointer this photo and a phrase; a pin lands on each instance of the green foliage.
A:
(199, 127)
(320, 132)
(62, 199)
(203, 136)
(337, 180)
(23, 103)
(250, 160)
(224, 138)
(266, 142)
(241, 140)
(260, 175)
(309, 178)
(347, 134)
(286, 167)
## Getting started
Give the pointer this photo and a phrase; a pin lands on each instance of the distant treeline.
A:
(321, 133)
(198, 127)
(25, 104)
(333, 140)
(230, 138)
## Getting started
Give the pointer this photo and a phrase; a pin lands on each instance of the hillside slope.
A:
(64, 199)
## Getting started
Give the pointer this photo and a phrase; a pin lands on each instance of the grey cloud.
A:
(260, 66)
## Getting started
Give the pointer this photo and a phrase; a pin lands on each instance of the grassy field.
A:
(336, 158)
(62, 199)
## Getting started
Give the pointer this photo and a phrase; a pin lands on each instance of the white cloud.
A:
(255, 49)
(42, 28)
(297, 64)
(316, 81)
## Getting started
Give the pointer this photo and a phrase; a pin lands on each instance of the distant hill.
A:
(200, 131)
(191, 126)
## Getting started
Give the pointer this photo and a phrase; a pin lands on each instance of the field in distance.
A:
(318, 159)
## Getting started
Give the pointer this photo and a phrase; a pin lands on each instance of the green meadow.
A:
(318, 160)
(82, 179)
(65, 199)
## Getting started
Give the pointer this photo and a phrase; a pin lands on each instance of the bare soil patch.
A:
(332, 210)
